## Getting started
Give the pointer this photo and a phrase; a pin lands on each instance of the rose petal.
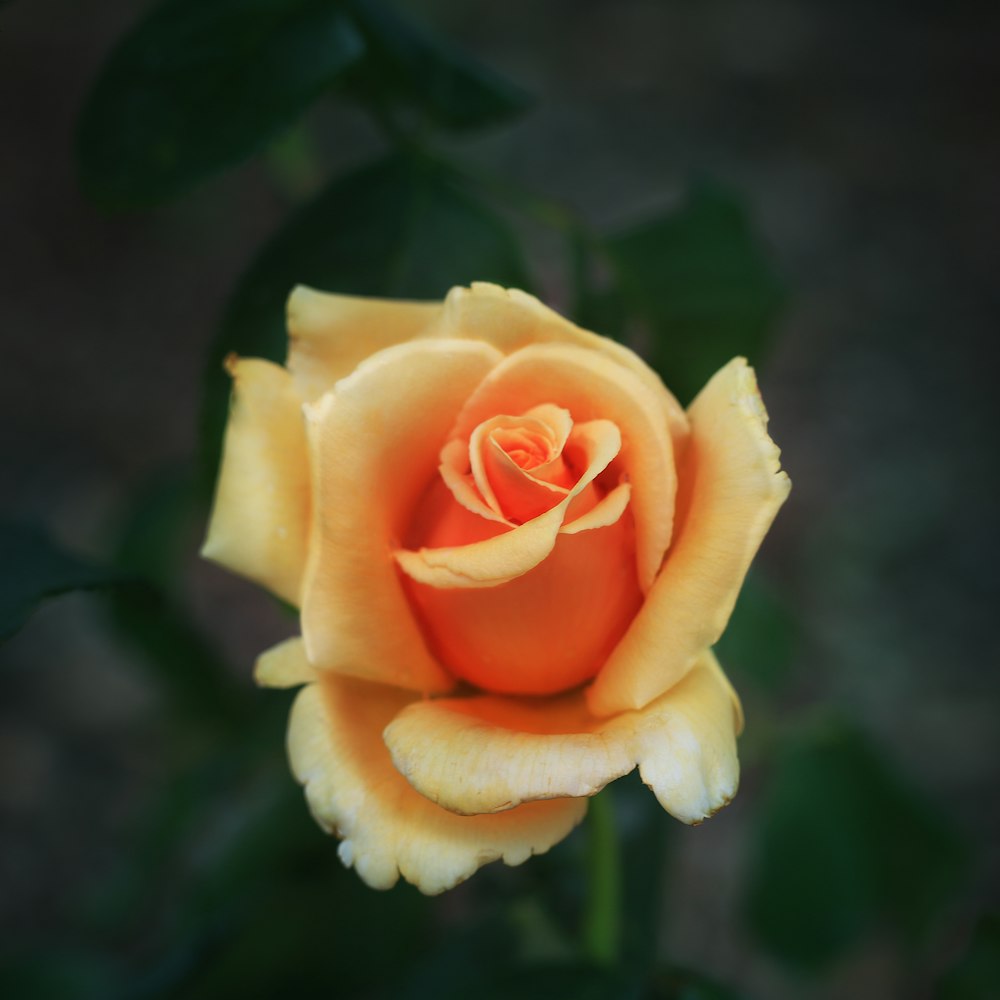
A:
(387, 828)
(330, 335)
(511, 320)
(510, 554)
(454, 463)
(489, 754)
(731, 488)
(284, 666)
(375, 441)
(592, 387)
(260, 519)
(550, 629)
(517, 493)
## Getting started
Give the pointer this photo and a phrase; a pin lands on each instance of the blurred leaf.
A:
(408, 64)
(976, 975)
(554, 982)
(760, 641)
(161, 529)
(647, 838)
(55, 972)
(699, 279)
(467, 955)
(597, 303)
(844, 845)
(186, 662)
(403, 228)
(676, 983)
(198, 84)
(34, 568)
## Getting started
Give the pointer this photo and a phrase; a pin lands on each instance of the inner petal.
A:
(516, 462)
(545, 631)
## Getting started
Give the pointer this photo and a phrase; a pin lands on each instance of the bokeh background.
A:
(152, 843)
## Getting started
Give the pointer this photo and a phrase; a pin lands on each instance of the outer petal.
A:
(374, 443)
(260, 520)
(330, 335)
(387, 828)
(592, 387)
(731, 487)
(511, 319)
(284, 666)
(489, 754)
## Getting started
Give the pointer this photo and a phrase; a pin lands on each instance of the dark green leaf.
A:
(163, 527)
(677, 983)
(760, 641)
(557, 982)
(408, 64)
(597, 303)
(976, 975)
(700, 281)
(198, 84)
(648, 837)
(844, 846)
(402, 228)
(34, 568)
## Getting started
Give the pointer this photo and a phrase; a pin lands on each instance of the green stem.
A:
(602, 919)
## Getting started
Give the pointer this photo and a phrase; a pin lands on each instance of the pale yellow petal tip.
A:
(299, 300)
(284, 666)
(751, 403)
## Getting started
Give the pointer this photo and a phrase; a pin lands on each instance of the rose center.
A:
(552, 627)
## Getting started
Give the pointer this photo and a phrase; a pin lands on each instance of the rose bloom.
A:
(512, 550)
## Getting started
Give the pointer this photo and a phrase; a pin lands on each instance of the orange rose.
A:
(512, 550)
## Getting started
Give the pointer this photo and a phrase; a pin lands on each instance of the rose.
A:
(512, 550)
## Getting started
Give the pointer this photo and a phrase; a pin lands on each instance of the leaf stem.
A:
(602, 918)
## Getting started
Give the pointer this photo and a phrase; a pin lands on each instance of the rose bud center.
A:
(553, 627)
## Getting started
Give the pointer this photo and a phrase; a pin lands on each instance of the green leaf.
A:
(597, 303)
(402, 228)
(701, 282)
(844, 846)
(197, 85)
(761, 638)
(676, 983)
(163, 527)
(976, 974)
(35, 568)
(408, 64)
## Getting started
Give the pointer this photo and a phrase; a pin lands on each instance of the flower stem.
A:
(602, 919)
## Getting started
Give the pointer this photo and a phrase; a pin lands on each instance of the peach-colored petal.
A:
(284, 665)
(592, 387)
(260, 519)
(550, 629)
(386, 828)
(606, 511)
(375, 442)
(511, 320)
(330, 335)
(454, 472)
(731, 488)
(488, 754)
(521, 490)
(504, 557)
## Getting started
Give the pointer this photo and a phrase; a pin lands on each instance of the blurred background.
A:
(831, 170)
